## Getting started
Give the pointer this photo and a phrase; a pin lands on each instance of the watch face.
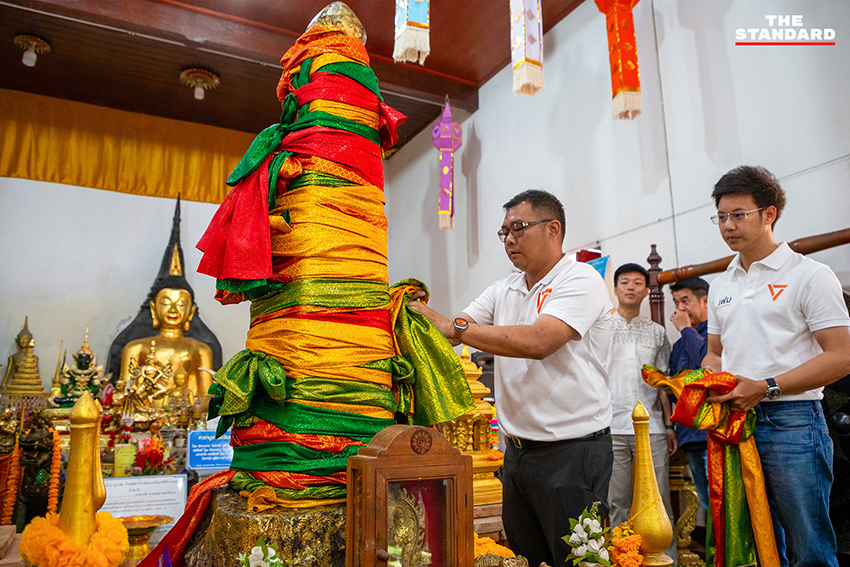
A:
(773, 393)
(461, 323)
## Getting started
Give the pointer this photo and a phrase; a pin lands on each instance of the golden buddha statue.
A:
(71, 383)
(21, 380)
(180, 402)
(172, 310)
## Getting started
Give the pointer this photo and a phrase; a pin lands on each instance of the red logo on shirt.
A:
(541, 298)
(776, 290)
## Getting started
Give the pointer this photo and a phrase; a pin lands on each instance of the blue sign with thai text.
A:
(207, 452)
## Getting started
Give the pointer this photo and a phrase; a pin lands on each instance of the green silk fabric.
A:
(357, 294)
(243, 480)
(440, 388)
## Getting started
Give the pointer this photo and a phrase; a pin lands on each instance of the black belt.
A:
(532, 444)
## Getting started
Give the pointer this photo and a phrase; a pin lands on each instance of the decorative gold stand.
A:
(139, 530)
(470, 434)
(648, 516)
(688, 519)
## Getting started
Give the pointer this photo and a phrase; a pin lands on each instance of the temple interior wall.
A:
(72, 256)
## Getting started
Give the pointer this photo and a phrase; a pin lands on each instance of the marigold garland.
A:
(485, 545)
(12, 486)
(43, 544)
(625, 547)
(55, 466)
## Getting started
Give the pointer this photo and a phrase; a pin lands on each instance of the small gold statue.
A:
(180, 402)
(71, 383)
(21, 380)
(118, 404)
(172, 310)
(9, 424)
(148, 384)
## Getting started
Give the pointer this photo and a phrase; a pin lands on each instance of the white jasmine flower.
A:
(575, 540)
(580, 551)
(594, 527)
(580, 532)
(603, 554)
(593, 546)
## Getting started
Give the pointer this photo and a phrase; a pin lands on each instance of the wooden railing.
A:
(659, 278)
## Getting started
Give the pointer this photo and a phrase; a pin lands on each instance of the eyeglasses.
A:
(516, 229)
(738, 216)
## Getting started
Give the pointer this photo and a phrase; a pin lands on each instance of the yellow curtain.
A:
(60, 141)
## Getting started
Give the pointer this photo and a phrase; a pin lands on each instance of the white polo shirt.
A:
(766, 316)
(565, 395)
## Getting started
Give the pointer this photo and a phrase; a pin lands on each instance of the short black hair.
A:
(542, 203)
(755, 181)
(628, 269)
(697, 285)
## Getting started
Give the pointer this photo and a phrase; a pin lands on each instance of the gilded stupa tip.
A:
(640, 413)
(84, 411)
(339, 15)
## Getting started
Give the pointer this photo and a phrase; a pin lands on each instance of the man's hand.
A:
(680, 319)
(443, 324)
(745, 395)
(672, 442)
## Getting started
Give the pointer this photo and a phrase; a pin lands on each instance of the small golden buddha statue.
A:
(172, 310)
(180, 402)
(9, 424)
(71, 383)
(21, 379)
(149, 383)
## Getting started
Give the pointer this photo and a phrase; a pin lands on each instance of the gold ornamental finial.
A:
(339, 15)
(79, 505)
(648, 517)
(175, 269)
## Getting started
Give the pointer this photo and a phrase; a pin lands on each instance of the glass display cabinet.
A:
(409, 502)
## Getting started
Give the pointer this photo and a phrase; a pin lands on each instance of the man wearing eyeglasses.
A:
(548, 326)
(778, 322)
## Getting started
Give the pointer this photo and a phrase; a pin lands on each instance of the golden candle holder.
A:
(139, 530)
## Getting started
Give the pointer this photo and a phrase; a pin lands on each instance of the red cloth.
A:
(242, 249)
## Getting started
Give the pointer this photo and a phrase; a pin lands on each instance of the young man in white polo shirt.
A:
(548, 327)
(778, 322)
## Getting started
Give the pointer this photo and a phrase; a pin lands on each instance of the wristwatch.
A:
(460, 324)
(773, 390)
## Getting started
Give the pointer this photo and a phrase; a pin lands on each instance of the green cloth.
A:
(323, 293)
(440, 388)
(289, 457)
(244, 480)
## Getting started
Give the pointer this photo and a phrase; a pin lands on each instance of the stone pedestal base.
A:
(311, 537)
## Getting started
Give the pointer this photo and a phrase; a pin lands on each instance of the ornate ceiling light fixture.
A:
(31, 45)
(201, 79)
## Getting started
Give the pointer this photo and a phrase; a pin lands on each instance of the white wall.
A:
(72, 256)
(628, 184)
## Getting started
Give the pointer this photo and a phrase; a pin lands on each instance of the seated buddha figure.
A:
(21, 379)
(172, 310)
(180, 402)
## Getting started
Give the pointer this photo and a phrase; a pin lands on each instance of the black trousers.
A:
(543, 487)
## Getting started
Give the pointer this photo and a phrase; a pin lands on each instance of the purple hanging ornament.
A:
(447, 136)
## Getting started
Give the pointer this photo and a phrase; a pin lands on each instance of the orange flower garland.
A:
(485, 545)
(12, 487)
(55, 464)
(43, 544)
(625, 547)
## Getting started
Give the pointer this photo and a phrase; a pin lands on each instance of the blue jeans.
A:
(796, 457)
(698, 464)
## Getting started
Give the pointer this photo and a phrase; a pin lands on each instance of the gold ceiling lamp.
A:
(32, 46)
(201, 79)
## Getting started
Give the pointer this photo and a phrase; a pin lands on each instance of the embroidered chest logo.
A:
(541, 297)
(724, 302)
(776, 290)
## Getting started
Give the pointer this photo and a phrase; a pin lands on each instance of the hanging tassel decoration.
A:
(622, 52)
(527, 46)
(412, 31)
(448, 137)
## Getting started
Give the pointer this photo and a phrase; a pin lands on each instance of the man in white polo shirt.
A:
(548, 326)
(778, 322)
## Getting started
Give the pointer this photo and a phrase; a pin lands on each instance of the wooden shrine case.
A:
(409, 502)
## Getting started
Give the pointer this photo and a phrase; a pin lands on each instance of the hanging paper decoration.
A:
(622, 51)
(527, 46)
(447, 135)
(412, 31)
